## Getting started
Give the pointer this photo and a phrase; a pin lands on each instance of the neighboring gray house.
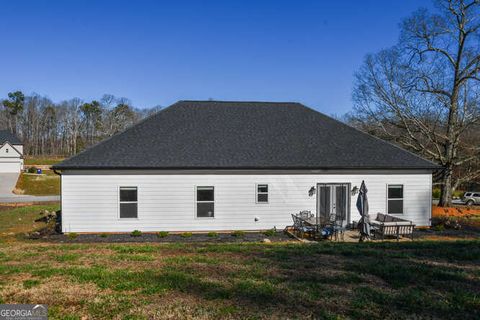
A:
(11, 153)
(218, 165)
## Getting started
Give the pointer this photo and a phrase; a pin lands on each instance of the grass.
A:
(39, 185)
(42, 160)
(421, 279)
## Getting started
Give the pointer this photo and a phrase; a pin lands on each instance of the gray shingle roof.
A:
(6, 135)
(243, 135)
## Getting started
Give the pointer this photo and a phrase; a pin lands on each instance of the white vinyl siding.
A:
(168, 201)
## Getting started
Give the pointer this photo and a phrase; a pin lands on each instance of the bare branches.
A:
(423, 93)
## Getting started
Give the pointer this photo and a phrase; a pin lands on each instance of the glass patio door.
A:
(332, 198)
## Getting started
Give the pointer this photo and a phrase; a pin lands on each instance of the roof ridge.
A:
(241, 101)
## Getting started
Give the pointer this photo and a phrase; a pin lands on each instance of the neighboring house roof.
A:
(7, 145)
(6, 135)
(243, 135)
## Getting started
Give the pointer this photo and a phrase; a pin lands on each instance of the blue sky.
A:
(157, 52)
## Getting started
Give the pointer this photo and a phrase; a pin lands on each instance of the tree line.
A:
(62, 129)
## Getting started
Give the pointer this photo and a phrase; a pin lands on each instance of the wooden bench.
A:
(387, 225)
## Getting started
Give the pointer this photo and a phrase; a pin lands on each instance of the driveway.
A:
(8, 181)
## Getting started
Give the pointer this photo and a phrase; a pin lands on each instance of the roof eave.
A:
(433, 168)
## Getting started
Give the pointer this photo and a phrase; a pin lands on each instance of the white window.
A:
(128, 202)
(262, 193)
(205, 202)
(395, 199)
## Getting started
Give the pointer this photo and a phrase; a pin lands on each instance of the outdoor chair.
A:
(305, 214)
(301, 229)
(338, 229)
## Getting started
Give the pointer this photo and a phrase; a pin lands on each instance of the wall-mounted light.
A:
(311, 192)
(354, 190)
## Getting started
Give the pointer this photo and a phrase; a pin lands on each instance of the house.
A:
(11, 152)
(219, 165)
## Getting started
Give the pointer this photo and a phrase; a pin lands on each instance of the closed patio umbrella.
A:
(362, 206)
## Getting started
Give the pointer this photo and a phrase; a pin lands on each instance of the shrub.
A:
(458, 194)
(162, 234)
(238, 233)
(212, 234)
(436, 193)
(32, 170)
(136, 233)
(72, 235)
(270, 232)
(104, 235)
(186, 235)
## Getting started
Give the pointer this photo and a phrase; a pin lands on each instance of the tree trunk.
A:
(446, 188)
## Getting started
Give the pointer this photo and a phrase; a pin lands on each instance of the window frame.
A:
(257, 193)
(197, 201)
(120, 202)
(402, 198)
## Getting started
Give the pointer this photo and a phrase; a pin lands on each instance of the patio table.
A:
(315, 221)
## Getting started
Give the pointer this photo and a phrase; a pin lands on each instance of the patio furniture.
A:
(301, 227)
(305, 214)
(337, 227)
(388, 225)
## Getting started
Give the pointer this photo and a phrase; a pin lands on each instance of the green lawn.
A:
(45, 184)
(421, 279)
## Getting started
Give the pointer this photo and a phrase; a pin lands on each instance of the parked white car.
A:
(471, 198)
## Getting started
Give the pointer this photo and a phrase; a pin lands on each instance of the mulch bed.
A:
(171, 238)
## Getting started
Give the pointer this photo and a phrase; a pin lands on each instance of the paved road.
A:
(8, 182)
(24, 198)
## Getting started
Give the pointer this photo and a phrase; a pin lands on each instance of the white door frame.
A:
(332, 185)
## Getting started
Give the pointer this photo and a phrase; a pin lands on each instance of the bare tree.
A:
(424, 93)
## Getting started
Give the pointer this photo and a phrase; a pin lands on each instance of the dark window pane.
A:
(262, 197)
(476, 195)
(395, 192)
(128, 194)
(324, 201)
(395, 206)
(341, 201)
(205, 194)
(262, 188)
(205, 210)
(128, 210)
